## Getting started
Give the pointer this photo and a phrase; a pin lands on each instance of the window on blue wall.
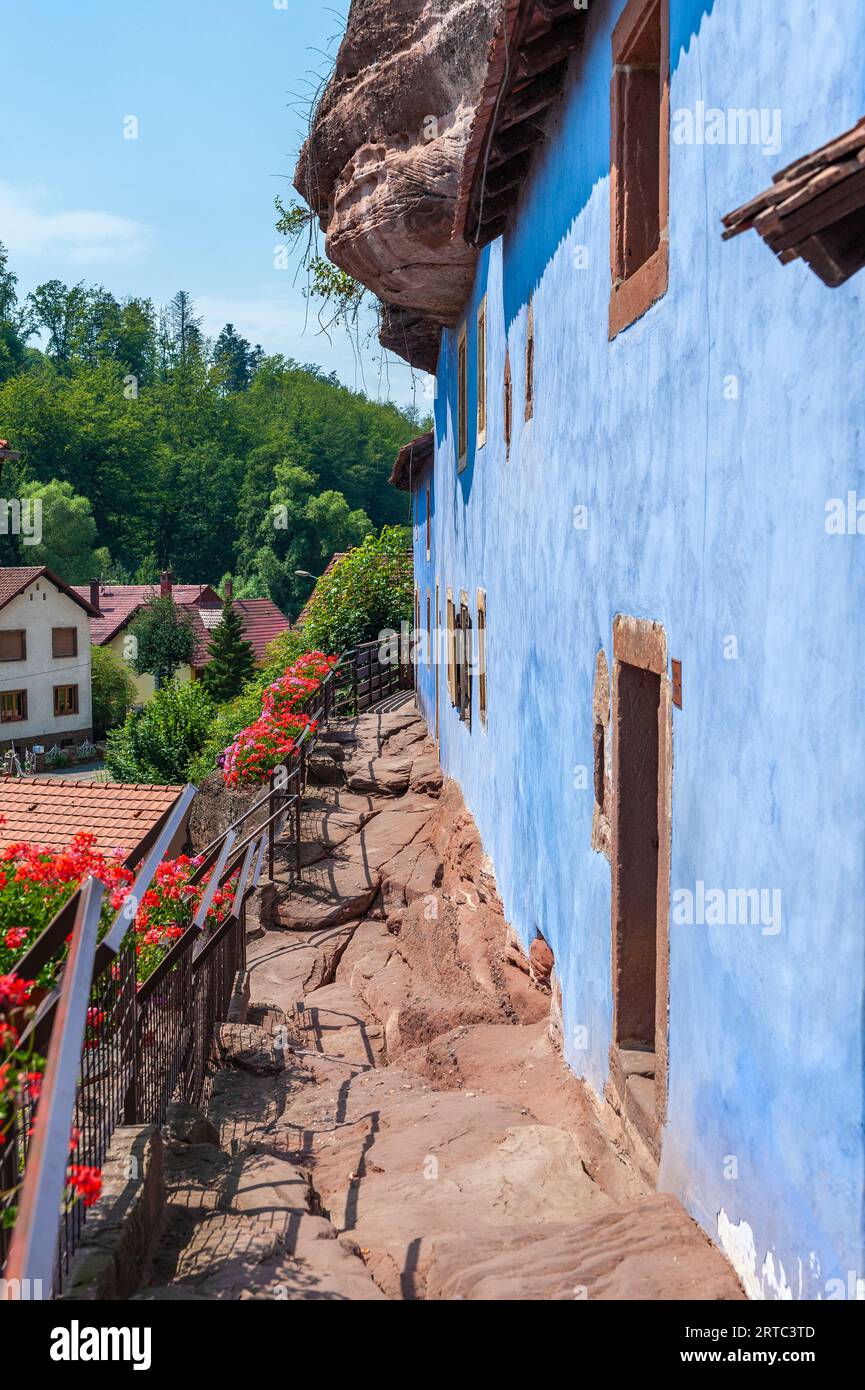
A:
(428, 521)
(530, 362)
(639, 176)
(482, 372)
(482, 657)
(462, 402)
(509, 405)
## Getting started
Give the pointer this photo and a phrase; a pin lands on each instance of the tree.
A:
(232, 359)
(160, 742)
(60, 311)
(164, 639)
(232, 658)
(113, 691)
(68, 532)
(184, 327)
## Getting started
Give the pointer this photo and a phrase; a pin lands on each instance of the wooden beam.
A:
(545, 52)
(507, 175)
(534, 98)
(519, 138)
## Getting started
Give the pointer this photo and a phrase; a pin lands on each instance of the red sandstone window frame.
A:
(462, 401)
(530, 362)
(482, 372)
(633, 42)
(482, 657)
(508, 406)
(428, 521)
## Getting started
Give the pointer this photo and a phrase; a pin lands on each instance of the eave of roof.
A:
(49, 811)
(29, 575)
(526, 68)
(412, 461)
(807, 199)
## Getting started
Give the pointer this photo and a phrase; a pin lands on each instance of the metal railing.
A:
(116, 1052)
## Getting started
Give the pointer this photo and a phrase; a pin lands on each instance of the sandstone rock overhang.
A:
(412, 461)
(382, 164)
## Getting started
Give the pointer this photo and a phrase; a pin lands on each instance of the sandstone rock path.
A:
(394, 1120)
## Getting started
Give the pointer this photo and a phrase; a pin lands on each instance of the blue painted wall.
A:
(706, 514)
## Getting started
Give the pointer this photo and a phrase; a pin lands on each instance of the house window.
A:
(482, 657)
(451, 638)
(64, 641)
(462, 402)
(416, 621)
(509, 406)
(639, 182)
(600, 759)
(428, 521)
(482, 372)
(428, 628)
(13, 706)
(13, 645)
(530, 362)
(463, 672)
(65, 700)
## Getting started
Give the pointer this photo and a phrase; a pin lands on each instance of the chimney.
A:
(165, 584)
(228, 590)
(94, 593)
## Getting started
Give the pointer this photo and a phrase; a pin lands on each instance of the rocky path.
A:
(394, 1120)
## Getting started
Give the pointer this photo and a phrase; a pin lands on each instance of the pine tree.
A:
(232, 659)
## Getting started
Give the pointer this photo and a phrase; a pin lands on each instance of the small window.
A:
(428, 521)
(640, 160)
(13, 645)
(64, 641)
(482, 372)
(600, 757)
(428, 628)
(482, 657)
(463, 673)
(509, 406)
(462, 402)
(65, 700)
(13, 706)
(530, 362)
(451, 639)
(416, 621)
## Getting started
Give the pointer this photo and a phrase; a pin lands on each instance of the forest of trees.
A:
(151, 446)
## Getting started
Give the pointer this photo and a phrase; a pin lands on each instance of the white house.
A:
(45, 691)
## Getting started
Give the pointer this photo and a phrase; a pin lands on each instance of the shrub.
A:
(113, 691)
(370, 589)
(161, 742)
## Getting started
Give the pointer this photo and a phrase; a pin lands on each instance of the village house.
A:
(45, 692)
(647, 677)
(119, 604)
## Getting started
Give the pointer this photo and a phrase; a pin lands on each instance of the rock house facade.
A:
(637, 529)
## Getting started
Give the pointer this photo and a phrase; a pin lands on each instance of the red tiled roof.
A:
(412, 461)
(262, 621)
(14, 581)
(49, 811)
(119, 603)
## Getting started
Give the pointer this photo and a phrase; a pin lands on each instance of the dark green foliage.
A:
(160, 743)
(369, 592)
(164, 637)
(113, 691)
(232, 658)
(187, 452)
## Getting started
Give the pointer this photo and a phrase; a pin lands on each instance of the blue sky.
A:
(214, 85)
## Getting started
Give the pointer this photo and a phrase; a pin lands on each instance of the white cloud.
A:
(78, 236)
